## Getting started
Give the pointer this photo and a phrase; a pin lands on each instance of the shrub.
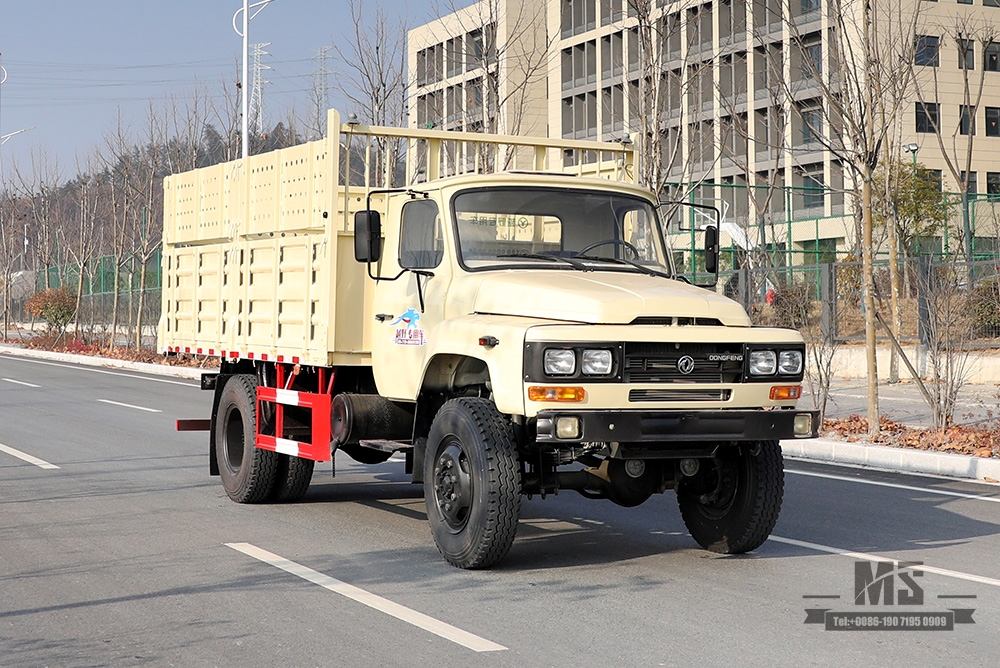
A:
(56, 306)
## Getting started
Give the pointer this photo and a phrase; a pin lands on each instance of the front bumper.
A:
(675, 427)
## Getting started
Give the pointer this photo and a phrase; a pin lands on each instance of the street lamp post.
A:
(244, 33)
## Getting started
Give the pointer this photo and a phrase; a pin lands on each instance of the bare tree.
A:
(866, 83)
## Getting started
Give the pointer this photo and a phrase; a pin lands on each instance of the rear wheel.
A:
(248, 473)
(472, 483)
(292, 479)
(732, 504)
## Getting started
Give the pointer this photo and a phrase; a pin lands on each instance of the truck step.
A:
(386, 446)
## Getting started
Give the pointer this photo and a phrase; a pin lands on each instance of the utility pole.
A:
(244, 12)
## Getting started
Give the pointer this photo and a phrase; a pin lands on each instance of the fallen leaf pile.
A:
(977, 440)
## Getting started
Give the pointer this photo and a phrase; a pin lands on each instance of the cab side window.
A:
(420, 242)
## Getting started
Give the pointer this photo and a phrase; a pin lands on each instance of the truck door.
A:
(409, 308)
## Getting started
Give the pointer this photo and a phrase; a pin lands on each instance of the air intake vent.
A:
(679, 395)
(673, 322)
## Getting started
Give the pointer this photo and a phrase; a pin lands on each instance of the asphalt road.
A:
(129, 553)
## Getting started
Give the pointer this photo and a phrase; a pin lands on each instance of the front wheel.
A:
(472, 483)
(732, 504)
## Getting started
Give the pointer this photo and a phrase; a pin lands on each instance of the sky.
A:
(72, 64)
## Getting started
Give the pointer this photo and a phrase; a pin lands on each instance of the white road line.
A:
(20, 382)
(943, 492)
(418, 619)
(874, 557)
(138, 408)
(40, 463)
(78, 367)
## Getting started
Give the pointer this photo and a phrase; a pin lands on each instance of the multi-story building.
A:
(738, 93)
(481, 69)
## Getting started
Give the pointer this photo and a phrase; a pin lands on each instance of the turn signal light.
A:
(786, 392)
(565, 394)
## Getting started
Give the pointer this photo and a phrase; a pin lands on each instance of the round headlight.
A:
(790, 362)
(596, 362)
(559, 362)
(762, 362)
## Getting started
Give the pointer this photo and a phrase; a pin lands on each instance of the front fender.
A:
(459, 337)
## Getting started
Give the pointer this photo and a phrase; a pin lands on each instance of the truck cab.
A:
(551, 303)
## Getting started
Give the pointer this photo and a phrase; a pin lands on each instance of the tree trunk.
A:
(869, 301)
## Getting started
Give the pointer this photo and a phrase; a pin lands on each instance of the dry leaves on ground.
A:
(976, 440)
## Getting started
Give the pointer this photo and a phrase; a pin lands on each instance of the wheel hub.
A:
(453, 486)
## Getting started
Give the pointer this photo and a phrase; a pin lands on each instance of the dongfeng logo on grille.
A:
(685, 364)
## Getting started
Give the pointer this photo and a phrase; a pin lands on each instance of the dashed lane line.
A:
(24, 456)
(418, 619)
(138, 408)
(20, 382)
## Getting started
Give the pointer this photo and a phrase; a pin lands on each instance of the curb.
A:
(189, 373)
(905, 460)
(825, 450)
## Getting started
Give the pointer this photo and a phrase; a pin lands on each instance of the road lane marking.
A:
(418, 619)
(877, 558)
(138, 408)
(40, 463)
(79, 367)
(20, 382)
(893, 485)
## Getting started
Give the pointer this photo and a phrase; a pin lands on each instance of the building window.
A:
(973, 185)
(811, 6)
(993, 121)
(926, 116)
(991, 57)
(925, 50)
(812, 60)
(965, 2)
(993, 183)
(812, 126)
(991, 3)
(966, 54)
(966, 119)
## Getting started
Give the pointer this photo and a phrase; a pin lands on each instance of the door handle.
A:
(382, 317)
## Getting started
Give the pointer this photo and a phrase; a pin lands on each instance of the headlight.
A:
(596, 362)
(790, 362)
(762, 362)
(559, 362)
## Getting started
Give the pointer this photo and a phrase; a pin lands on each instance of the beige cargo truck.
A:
(514, 326)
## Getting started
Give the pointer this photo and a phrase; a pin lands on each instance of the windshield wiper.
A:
(649, 271)
(553, 258)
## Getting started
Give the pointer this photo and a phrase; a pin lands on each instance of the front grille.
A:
(658, 362)
(679, 395)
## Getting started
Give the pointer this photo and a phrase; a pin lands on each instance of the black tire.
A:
(472, 483)
(731, 507)
(292, 479)
(247, 472)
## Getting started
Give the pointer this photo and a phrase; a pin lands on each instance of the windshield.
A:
(558, 228)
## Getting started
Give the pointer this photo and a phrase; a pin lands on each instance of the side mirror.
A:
(712, 249)
(367, 236)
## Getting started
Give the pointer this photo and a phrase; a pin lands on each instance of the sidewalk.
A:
(905, 460)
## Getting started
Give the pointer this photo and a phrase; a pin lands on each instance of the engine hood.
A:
(600, 297)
